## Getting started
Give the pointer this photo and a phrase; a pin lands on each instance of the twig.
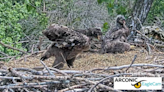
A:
(149, 49)
(142, 74)
(22, 85)
(3, 71)
(132, 62)
(63, 58)
(142, 34)
(100, 85)
(47, 68)
(27, 56)
(11, 47)
(4, 54)
(32, 49)
(134, 65)
(91, 74)
(7, 57)
(29, 70)
(57, 70)
(58, 64)
(65, 72)
(72, 87)
(140, 24)
(95, 70)
(28, 76)
(5, 77)
(40, 43)
(71, 71)
(90, 90)
(25, 59)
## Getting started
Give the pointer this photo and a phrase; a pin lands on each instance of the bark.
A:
(140, 11)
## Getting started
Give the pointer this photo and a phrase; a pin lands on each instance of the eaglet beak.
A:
(132, 47)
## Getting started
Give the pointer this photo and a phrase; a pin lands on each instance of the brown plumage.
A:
(64, 36)
(67, 44)
(94, 35)
(91, 32)
(114, 40)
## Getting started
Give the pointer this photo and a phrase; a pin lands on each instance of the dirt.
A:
(86, 60)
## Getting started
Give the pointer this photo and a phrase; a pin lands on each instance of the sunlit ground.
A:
(87, 61)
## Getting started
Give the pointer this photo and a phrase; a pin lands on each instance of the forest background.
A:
(22, 21)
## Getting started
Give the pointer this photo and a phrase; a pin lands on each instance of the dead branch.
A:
(4, 54)
(29, 76)
(73, 87)
(90, 90)
(7, 57)
(3, 71)
(30, 55)
(143, 74)
(149, 49)
(57, 70)
(40, 43)
(45, 66)
(134, 65)
(11, 47)
(22, 85)
(99, 85)
(132, 62)
(26, 79)
(4, 77)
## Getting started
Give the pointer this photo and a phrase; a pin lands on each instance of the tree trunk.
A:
(140, 11)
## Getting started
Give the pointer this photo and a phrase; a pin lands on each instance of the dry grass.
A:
(87, 61)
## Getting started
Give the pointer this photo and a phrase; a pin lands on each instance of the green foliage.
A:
(124, 7)
(105, 27)
(156, 11)
(115, 7)
(100, 1)
(12, 14)
(10, 29)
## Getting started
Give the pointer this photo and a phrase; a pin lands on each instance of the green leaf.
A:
(29, 7)
(121, 10)
(37, 3)
(99, 1)
(110, 5)
(27, 1)
(105, 27)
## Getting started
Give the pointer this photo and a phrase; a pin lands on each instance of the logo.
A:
(138, 84)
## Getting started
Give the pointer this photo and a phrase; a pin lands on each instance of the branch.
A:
(22, 85)
(27, 56)
(29, 76)
(99, 85)
(106, 79)
(4, 54)
(11, 78)
(132, 62)
(149, 49)
(11, 47)
(142, 35)
(7, 57)
(134, 65)
(57, 70)
(73, 87)
(40, 43)
(45, 66)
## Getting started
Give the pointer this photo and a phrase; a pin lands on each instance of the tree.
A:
(139, 13)
(19, 21)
